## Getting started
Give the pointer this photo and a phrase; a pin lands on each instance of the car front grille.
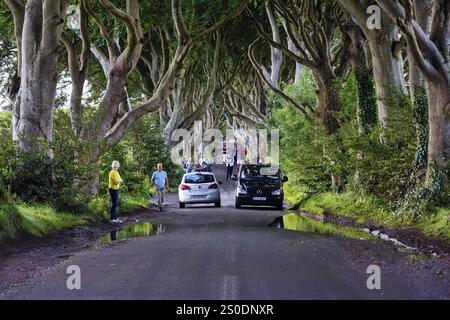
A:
(260, 191)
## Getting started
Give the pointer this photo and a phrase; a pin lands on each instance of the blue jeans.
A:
(114, 196)
(160, 196)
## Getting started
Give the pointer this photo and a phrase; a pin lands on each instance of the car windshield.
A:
(252, 172)
(199, 178)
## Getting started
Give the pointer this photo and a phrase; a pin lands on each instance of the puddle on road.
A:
(298, 222)
(139, 230)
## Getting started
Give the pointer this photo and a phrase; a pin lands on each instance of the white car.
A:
(199, 187)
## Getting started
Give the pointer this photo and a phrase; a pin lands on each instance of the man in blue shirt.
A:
(160, 181)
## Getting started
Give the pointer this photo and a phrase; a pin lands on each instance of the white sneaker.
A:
(119, 221)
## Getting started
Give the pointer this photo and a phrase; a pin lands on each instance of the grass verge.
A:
(366, 209)
(41, 220)
(37, 220)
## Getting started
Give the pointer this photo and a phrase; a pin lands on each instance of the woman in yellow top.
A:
(114, 186)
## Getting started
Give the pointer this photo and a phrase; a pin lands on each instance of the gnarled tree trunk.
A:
(43, 21)
(275, 53)
(328, 104)
(431, 56)
(418, 95)
(387, 66)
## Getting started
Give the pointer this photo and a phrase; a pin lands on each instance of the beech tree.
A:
(38, 28)
(430, 55)
(78, 64)
(418, 96)
(386, 59)
(312, 27)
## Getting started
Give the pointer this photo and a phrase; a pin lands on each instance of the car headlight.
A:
(241, 190)
(276, 192)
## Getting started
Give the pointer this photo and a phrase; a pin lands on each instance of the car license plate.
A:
(198, 197)
(259, 198)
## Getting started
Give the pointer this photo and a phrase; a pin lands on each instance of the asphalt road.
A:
(210, 253)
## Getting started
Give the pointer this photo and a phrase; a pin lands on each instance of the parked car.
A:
(260, 185)
(199, 187)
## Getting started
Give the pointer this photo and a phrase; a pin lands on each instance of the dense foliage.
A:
(57, 181)
(366, 165)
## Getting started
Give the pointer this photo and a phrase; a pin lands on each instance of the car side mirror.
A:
(285, 179)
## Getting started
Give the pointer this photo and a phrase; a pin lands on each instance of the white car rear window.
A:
(199, 178)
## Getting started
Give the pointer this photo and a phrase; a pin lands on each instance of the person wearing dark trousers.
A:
(235, 153)
(114, 185)
(229, 172)
(229, 164)
(114, 196)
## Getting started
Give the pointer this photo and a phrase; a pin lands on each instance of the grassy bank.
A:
(41, 220)
(366, 209)
(36, 220)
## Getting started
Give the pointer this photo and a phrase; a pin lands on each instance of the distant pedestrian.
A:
(229, 162)
(206, 167)
(114, 185)
(160, 181)
(198, 167)
(189, 167)
(237, 167)
(235, 153)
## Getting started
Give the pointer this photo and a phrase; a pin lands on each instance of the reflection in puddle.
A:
(140, 230)
(297, 222)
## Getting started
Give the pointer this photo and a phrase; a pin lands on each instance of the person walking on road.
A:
(160, 181)
(229, 161)
(114, 185)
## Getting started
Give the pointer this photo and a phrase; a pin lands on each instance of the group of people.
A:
(189, 166)
(159, 180)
